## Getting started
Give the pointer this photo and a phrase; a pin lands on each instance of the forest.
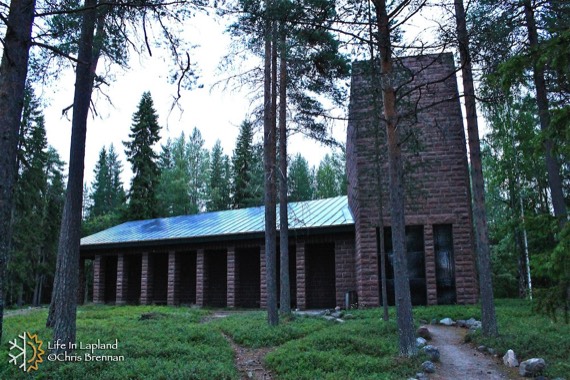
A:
(513, 61)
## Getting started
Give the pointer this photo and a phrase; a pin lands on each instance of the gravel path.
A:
(460, 361)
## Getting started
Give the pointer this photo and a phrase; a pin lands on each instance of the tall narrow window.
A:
(444, 264)
(416, 264)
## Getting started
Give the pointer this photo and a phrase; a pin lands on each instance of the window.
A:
(444, 264)
(416, 264)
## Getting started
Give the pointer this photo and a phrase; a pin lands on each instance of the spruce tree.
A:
(329, 178)
(218, 189)
(139, 150)
(198, 170)
(242, 163)
(105, 203)
(173, 188)
(100, 185)
(300, 180)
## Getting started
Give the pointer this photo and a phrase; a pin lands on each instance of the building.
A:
(218, 259)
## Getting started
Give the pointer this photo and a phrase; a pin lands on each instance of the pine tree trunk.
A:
(269, 153)
(405, 321)
(488, 317)
(66, 281)
(552, 165)
(13, 74)
(285, 296)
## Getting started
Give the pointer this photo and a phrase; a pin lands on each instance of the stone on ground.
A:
(510, 359)
(432, 352)
(428, 367)
(532, 367)
(447, 322)
(420, 342)
(423, 332)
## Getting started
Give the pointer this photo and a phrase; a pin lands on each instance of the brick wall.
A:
(98, 280)
(436, 180)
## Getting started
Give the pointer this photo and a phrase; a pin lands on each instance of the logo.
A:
(22, 352)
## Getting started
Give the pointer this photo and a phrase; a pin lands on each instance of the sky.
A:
(215, 112)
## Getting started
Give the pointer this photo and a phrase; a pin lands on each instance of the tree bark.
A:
(13, 74)
(285, 296)
(406, 336)
(269, 153)
(488, 317)
(66, 281)
(552, 164)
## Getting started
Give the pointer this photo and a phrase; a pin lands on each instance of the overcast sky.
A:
(217, 113)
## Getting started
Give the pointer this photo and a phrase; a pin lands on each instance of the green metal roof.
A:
(323, 213)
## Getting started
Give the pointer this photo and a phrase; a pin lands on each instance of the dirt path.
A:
(249, 361)
(459, 360)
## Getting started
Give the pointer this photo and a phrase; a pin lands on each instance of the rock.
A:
(421, 376)
(532, 367)
(482, 348)
(510, 359)
(471, 321)
(249, 374)
(491, 351)
(327, 312)
(338, 320)
(461, 323)
(329, 318)
(420, 342)
(428, 367)
(434, 321)
(432, 352)
(423, 332)
(474, 326)
(337, 308)
(348, 316)
(447, 322)
(338, 314)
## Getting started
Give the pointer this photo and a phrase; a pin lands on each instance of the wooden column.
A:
(146, 279)
(301, 288)
(232, 277)
(98, 280)
(201, 278)
(173, 297)
(122, 280)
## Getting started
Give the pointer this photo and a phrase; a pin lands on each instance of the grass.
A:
(172, 344)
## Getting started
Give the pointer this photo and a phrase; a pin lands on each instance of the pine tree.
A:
(488, 316)
(139, 150)
(13, 73)
(218, 186)
(300, 180)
